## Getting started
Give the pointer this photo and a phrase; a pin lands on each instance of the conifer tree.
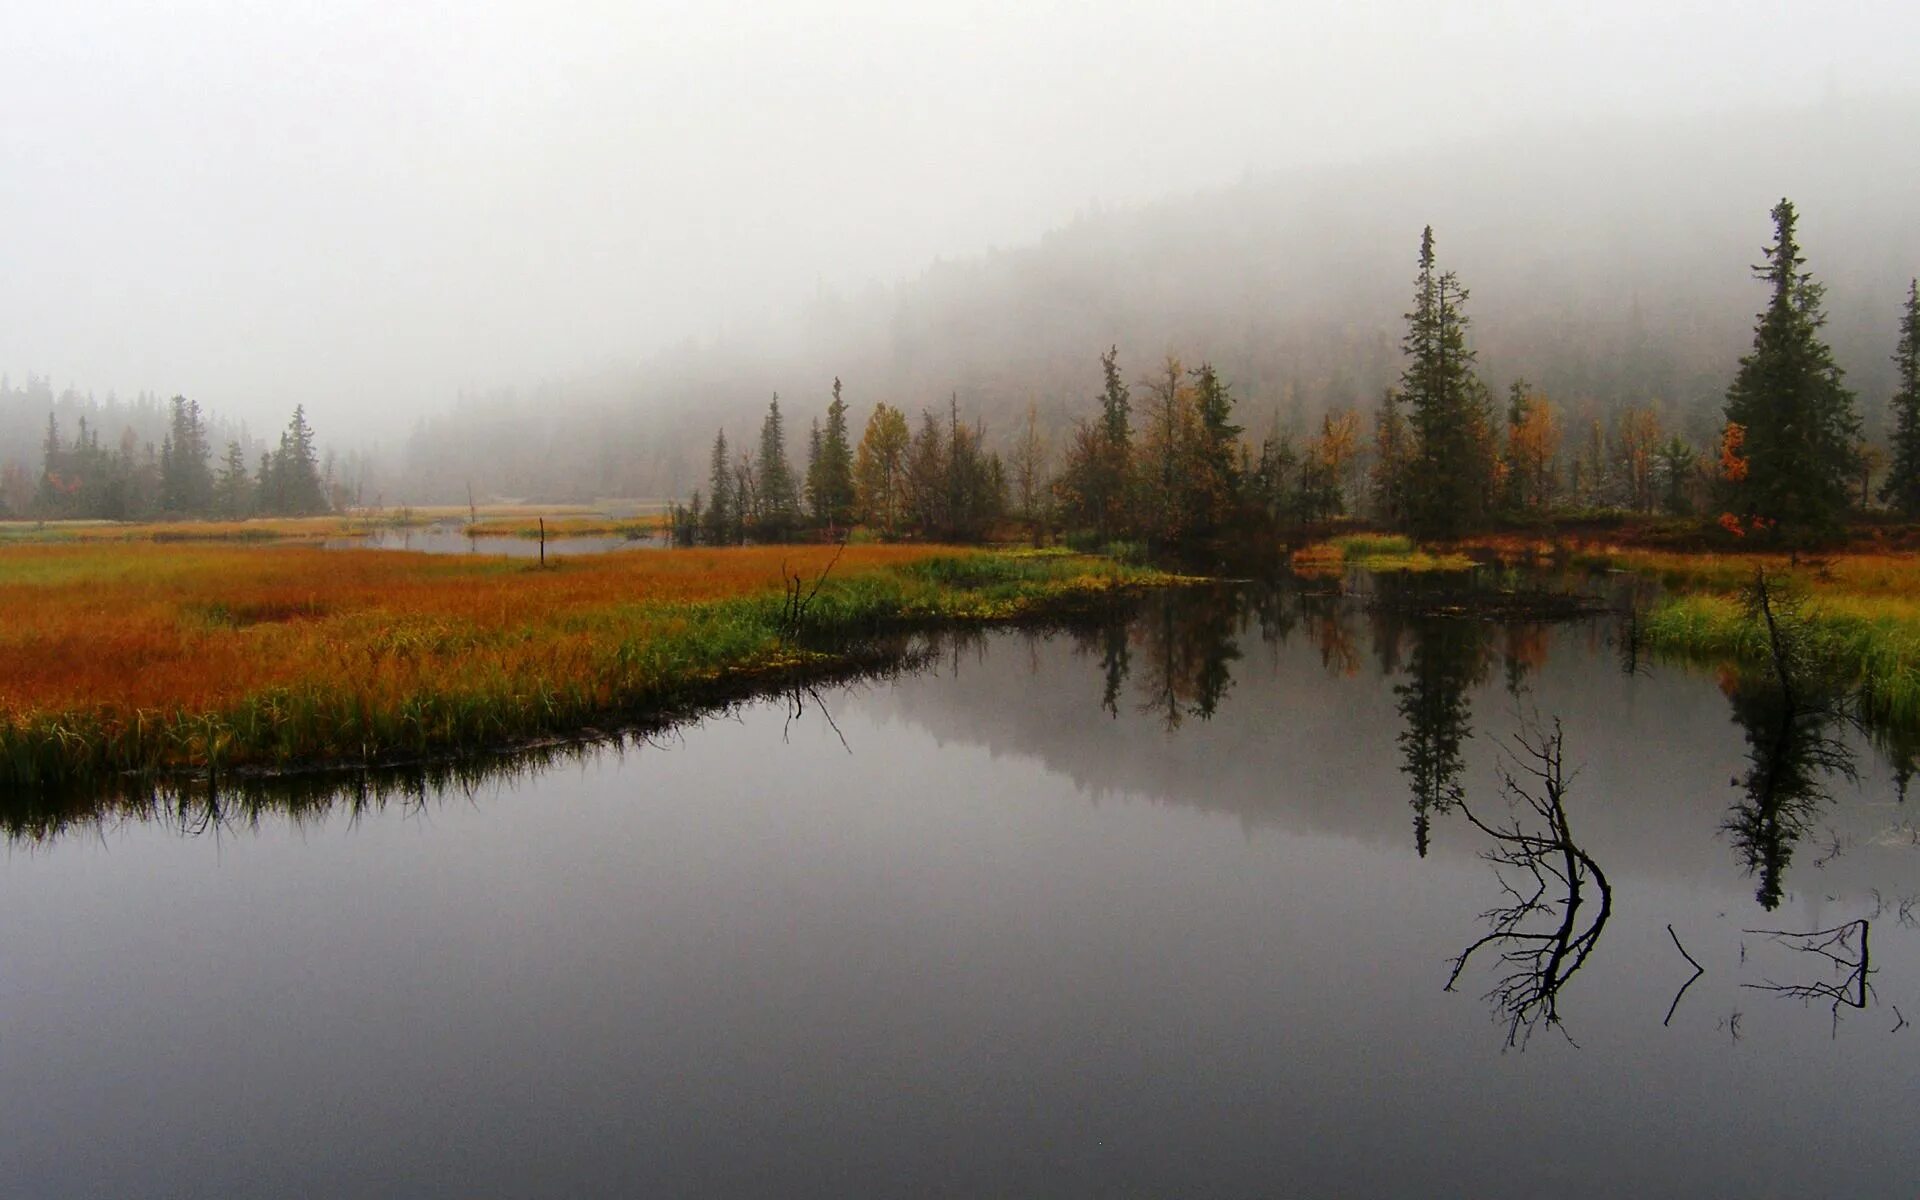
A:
(1902, 486)
(721, 514)
(1448, 472)
(186, 477)
(296, 470)
(816, 496)
(1799, 420)
(232, 490)
(778, 499)
(836, 465)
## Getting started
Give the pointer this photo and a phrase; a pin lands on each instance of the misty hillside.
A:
(1608, 263)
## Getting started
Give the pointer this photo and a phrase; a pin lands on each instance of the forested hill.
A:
(1607, 263)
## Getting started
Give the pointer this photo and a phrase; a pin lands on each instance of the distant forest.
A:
(1609, 266)
(1441, 454)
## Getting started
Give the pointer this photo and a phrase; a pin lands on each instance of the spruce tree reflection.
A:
(1449, 656)
(1790, 716)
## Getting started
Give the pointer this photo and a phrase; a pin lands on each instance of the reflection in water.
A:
(1792, 752)
(1449, 657)
(1539, 932)
(1840, 959)
(1186, 647)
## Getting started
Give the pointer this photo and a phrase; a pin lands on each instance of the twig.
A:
(1698, 971)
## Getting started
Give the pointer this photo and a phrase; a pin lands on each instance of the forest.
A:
(1444, 453)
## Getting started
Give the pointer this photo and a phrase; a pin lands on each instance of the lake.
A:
(1162, 905)
(452, 538)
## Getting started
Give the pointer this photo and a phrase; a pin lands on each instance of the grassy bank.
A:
(1861, 619)
(1374, 552)
(1860, 614)
(139, 657)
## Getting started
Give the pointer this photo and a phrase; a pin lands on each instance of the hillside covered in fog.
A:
(1607, 263)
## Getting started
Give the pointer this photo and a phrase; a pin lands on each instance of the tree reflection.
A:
(1842, 958)
(1449, 656)
(1543, 932)
(1187, 645)
(1789, 717)
(1791, 754)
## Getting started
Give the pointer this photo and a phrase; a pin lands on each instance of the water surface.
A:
(1158, 907)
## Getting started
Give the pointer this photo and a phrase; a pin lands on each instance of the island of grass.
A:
(120, 658)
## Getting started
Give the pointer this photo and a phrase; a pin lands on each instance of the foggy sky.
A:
(367, 206)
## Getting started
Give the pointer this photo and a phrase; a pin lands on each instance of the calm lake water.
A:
(452, 539)
(1163, 907)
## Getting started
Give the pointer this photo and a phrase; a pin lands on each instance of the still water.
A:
(452, 538)
(1159, 907)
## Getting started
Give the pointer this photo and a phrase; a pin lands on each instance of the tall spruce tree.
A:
(836, 465)
(232, 490)
(816, 496)
(186, 476)
(295, 471)
(1902, 486)
(1447, 473)
(722, 515)
(779, 500)
(1799, 420)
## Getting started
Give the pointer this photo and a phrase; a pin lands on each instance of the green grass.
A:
(1871, 643)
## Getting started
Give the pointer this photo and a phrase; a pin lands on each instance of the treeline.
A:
(1164, 461)
(128, 480)
(937, 481)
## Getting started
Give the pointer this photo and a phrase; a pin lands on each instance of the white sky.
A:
(364, 206)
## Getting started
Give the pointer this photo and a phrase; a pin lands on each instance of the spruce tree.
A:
(836, 464)
(816, 496)
(779, 500)
(186, 477)
(1447, 474)
(1902, 486)
(1799, 421)
(232, 490)
(290, 480)
(722, 515)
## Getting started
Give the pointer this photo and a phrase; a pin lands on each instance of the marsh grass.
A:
(138, 658)
(1382, 552)
(1861, 615)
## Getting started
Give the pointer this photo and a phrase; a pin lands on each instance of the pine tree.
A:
(816, 495)
(186, 477)
(722, 515)
(836, 465)
(291, 478)
(1209, 463)
(778, 500)
(1448, 473)
(1799, 420)
(1902, 486)
(232, 490)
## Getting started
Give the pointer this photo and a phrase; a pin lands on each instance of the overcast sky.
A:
(365, 206)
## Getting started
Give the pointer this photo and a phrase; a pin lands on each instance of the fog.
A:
(371, 208)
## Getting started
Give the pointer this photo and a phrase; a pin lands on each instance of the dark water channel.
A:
(1160, 907)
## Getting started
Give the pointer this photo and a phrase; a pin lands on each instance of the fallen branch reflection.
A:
(1544, 931)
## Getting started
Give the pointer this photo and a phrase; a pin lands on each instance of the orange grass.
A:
(142, 655)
